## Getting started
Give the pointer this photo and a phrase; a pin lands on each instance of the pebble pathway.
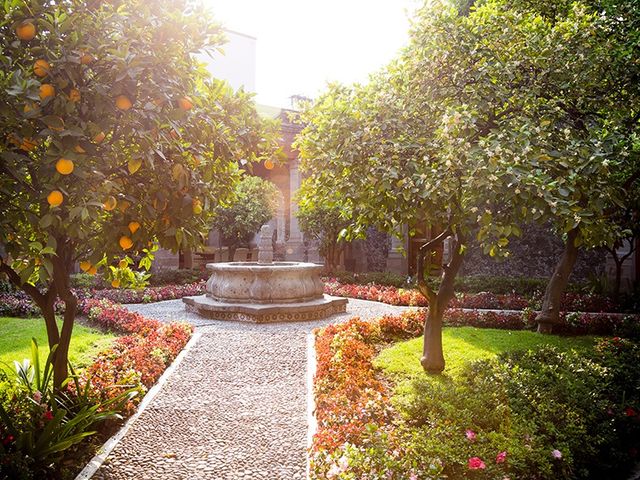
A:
(234, 408)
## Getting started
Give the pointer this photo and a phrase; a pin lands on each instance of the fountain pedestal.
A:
(265, 293)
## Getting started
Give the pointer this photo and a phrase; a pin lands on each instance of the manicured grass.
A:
(462, 345)
(16, 334)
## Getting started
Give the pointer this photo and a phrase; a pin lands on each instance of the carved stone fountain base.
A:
(265, 293)
(315, 309)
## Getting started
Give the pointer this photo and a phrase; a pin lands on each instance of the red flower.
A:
(630, 412)
(476, 463)
(501, 457)
(48, 415)
(8, 439)
(471, 435)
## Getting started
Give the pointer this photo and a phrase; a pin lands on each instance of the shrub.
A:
(177, 277)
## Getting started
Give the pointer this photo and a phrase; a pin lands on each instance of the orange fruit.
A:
(85, 265)
(41, 68)
(74, 95)
(123, 205)
(28, 144)
(26, 30)
(125, 242)
(268, 164)
(185, 103)
(99, 138)
(93, 270)
(79, 149)
(110, 203)
(115, 283)
(123, 102)
(47, 90)
(133, 227)
(55, 198)
(123, 263)
(64, 166)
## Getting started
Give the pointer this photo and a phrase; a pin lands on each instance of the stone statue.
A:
(265, 245)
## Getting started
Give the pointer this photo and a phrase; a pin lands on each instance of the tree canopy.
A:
(491, 116)
(113, 138)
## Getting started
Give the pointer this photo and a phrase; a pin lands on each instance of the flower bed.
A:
(545, 414)
(573, 302)
(136, 359)
(49, 443)
(19, 304)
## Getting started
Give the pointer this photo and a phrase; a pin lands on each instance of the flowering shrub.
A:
(19, 304)
(576, 302)
(548, 414)
(136, 360)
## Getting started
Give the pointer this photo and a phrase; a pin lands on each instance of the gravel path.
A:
(235, 408)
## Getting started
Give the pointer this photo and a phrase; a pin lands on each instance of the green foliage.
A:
(544, 413)
(39, 422)
(254, 204)
(161, 164)
(177, 277)
(322, 220)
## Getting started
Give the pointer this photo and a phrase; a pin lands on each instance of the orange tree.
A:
(113, 140)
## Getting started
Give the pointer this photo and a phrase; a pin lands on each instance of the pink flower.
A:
(413, 476)
(557, 454)
(334, 471)
(501, 457)
(37, 396)
(476, 463)
(471, 435)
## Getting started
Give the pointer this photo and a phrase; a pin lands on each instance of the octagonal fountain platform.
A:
(265, 291)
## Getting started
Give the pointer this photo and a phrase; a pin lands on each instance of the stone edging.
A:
(96, 462)
(312, 425)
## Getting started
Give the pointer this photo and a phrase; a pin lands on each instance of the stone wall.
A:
(535, 254)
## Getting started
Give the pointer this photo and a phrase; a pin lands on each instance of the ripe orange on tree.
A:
(47, 90)
(185, 103)
(133, 227)
(41, 68)
(93, 270)
(74, 95)
(55, 198)
(85, 265)
(110, 203)
(79, 149)
(64, 166)
(99, 138)
(268, 164)
(26, 30)
(123, 102)
(123, 263)
(125, 242)
(115, 283)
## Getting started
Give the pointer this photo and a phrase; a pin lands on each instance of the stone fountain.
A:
(265, 291)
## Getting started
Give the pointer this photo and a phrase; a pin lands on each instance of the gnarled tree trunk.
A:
(550, 313)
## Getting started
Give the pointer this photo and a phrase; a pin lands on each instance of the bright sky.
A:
(302, 44)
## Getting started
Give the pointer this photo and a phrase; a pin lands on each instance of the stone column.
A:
(280, 222)
(295, 246)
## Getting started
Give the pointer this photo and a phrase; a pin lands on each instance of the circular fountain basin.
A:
(264, 283)
(264, 293)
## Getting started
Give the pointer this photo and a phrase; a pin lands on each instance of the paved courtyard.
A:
(234, 408)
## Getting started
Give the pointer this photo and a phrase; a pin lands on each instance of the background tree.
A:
(112, 139)
(323, 222)
(255, 203)
(483, 122)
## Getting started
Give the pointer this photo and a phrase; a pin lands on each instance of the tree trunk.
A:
(432, 354)
(550, 313)
(62, 265)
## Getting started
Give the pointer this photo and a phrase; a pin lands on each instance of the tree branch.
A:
(29, 289)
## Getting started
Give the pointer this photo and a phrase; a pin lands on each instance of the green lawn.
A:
(466, 344)
(16, 334)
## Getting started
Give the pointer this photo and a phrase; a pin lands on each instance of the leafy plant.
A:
(40, 422)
